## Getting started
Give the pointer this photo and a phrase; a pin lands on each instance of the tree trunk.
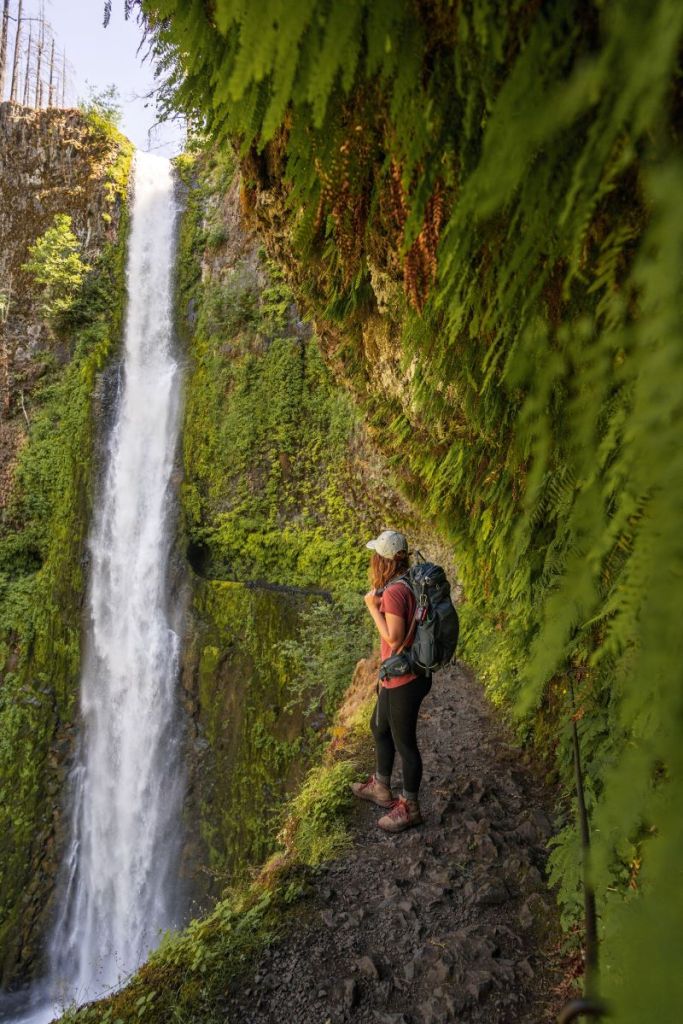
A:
(51, 91)
(41, 44)
(3, 48)
(27, 77)
(15, 62)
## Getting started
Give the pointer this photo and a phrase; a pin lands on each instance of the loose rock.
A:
(440, 924)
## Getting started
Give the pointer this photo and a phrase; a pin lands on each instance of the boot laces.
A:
(368, 782)
(399, 808)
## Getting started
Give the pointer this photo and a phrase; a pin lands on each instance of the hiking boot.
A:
(403, 814)
(373, 790)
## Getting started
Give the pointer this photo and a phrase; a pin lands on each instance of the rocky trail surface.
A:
(451, 921)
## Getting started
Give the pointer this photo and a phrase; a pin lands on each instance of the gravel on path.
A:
(448, 922)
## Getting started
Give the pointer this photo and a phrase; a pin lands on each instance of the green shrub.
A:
(321, 659)
(56, 266)
(103, 107)
(315, 828)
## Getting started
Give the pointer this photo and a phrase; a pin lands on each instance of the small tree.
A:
(56, 266)
(103, 106)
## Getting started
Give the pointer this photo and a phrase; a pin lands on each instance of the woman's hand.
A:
(372, 599)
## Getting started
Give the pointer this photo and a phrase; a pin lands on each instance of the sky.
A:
(101, 57)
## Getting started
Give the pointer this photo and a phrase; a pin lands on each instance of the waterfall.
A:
(119, 879)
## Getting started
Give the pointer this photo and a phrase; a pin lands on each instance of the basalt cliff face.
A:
(279, 487)
(51, 162)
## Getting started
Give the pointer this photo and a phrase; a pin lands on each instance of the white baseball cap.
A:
(388, 544)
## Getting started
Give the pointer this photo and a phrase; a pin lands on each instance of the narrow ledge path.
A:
(449, 922)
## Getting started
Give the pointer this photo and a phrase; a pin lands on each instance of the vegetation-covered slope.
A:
(49, 431)
(479, 204)
(280, 484)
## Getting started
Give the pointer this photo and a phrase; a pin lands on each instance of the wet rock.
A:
(536, 915)
(430, 894)
(503, 933)
(492, 894)
(441, 877)
(441, 1007)
(439, 972)
(486, 848)
(347, 994)
(478, 985)
(542, 822)
(368, 967)
(531, 880)
(527, 833)
(383, 990)
(525, 967)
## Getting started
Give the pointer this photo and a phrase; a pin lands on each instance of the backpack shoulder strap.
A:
(399, 579)
(408, 639)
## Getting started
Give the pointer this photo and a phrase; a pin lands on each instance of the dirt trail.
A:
(447, 922)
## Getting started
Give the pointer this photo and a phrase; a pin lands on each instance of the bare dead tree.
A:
(15, 62)
(27, 75)
(39, 59)
(51, 90)
(3, 48)
(39, 85)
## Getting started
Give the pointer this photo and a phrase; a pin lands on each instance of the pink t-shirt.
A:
(397, 600)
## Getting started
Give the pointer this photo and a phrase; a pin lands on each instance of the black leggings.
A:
(394, 726)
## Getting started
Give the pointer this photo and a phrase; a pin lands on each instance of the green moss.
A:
(265, 454)
(56, 265)
(262, 660)
(188, 977)
(266, 433)
(254, 750)
(520, 182)
(42, 583)
(266, 450)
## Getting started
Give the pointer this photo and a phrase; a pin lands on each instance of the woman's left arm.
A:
(391, 628)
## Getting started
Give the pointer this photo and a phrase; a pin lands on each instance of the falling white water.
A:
(118, 889)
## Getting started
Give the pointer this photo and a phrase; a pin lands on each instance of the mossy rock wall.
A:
(281, 480)
(53, 410)
(250, 750)
(281, 489)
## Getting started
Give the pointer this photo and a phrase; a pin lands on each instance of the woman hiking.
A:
(394, 718)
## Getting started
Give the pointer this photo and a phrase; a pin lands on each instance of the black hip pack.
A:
(432, 637)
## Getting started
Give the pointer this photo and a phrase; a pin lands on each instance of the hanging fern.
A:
(513, 172)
